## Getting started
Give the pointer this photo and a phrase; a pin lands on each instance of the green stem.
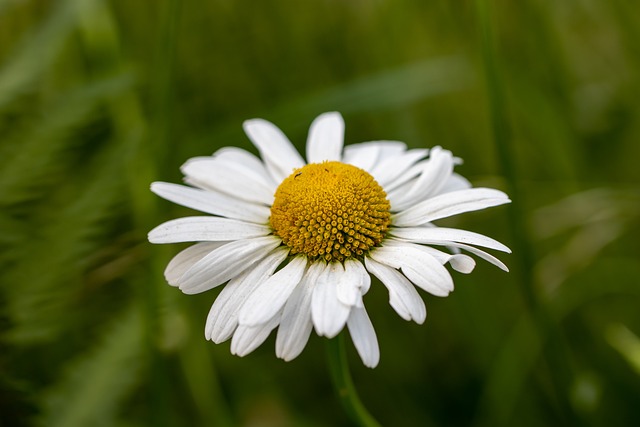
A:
(342, 382)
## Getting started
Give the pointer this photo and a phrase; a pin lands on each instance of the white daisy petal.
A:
(329, 315)
(390, 148)
(243, 157)
(365, 155)
(403, 297)
(456, 182)
(222, 320)
(205, 228)
(326, 137)
(235, 179)
(396, 193)
(362, 155)
(248, 338)
(272, 294)
(389, 169)
(223, 316)
(419, 267)
(444, 236)
(276, 150)
(480, 253)
(212, 202)
(296, 325)
(442, 257)
(185, 259)
(434, 175)
(438, 172)
(225, 263)
(448, 204)
(364, 336)
(461, 263)
(350, 284)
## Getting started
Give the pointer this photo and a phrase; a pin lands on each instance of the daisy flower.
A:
(297, 242)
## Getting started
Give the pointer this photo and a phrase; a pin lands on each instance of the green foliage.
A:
(100, 98)
(93, 386)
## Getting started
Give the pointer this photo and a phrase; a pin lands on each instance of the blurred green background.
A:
(100, 98)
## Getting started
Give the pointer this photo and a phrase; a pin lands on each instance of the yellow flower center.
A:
(330, 210)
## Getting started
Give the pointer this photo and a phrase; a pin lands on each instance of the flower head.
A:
(296, 242)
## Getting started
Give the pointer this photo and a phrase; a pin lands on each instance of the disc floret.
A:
(330, 210)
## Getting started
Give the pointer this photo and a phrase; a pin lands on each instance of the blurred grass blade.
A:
(37, 51)
(596, 284)
(588, 221)
(41, 149)
(71, 224)
(204, 384)
(560, 371)
(626, 342)
(95, 383)
(389, 89)
(509, 373)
